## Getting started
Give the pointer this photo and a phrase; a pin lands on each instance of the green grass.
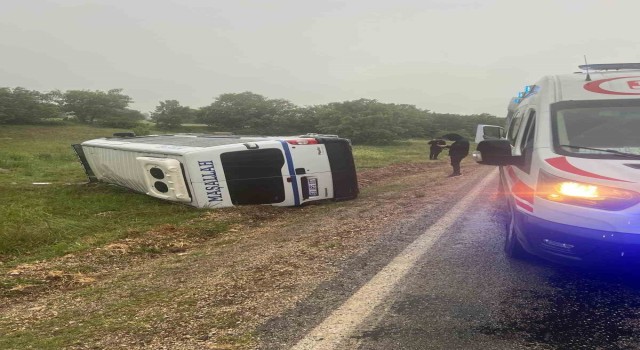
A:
(46, 221)
(410, 151)
(43, 221)
(67, 215)
(43, 153)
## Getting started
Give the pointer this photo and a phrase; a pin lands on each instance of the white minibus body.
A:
(220, 171)
(570, 166)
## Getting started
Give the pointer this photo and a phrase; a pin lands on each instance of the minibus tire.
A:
(512, 247)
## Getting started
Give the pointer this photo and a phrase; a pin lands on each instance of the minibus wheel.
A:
(512, 246)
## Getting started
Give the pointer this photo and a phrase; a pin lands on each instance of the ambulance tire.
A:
(512, 247)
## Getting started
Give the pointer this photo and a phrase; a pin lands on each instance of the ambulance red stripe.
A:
(519, 188)
(563, 164)
(524, 206)
(595, 86)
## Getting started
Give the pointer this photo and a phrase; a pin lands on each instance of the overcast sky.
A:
(448, 56)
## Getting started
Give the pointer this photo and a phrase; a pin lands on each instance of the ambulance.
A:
(569, 159)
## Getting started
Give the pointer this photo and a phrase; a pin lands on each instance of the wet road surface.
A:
(463, 293)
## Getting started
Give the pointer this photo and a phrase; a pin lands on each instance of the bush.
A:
(142, 129)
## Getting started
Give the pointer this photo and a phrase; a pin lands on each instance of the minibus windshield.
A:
(597, 129)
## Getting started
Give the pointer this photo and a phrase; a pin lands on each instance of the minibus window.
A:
(597, 129)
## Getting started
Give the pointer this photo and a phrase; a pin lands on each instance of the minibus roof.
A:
(191, 140)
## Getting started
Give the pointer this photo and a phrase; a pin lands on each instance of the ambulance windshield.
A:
(597, 129)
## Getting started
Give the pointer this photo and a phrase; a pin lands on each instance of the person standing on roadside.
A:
(435, 147)
(457, 151)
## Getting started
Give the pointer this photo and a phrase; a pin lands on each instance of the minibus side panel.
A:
(208, 184)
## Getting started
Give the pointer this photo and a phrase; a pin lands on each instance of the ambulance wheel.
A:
(512, 247)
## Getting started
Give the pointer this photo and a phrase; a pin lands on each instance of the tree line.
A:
(364, 121)
(22, 106)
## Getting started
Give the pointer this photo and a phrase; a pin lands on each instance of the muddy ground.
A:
(171, 289)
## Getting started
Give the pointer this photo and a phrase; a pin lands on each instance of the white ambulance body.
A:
(570, 166)
(221, 171)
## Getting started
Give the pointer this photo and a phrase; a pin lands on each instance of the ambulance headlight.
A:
(565, 191)
(578, 190)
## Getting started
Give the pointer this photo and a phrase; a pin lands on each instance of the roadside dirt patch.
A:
(172, 288)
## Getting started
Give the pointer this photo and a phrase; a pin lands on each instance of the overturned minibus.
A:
(208, 171)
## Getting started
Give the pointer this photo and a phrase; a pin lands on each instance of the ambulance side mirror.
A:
(495, 152)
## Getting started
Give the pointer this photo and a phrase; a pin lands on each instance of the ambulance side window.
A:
(513, 128)
(528, 138)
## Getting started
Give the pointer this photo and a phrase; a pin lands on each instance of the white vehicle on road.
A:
(570, 165)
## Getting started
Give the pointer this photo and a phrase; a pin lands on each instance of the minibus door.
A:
(312, 169)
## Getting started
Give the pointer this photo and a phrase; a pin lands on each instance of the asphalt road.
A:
(462, 292)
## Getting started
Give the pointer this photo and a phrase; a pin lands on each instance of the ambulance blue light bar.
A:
(528, 91)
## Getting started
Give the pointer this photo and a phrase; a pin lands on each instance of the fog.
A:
(448, 56)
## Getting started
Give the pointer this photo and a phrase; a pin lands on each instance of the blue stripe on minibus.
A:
(292, 172)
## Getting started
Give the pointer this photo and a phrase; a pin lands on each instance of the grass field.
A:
(39, 221)
(409, 151)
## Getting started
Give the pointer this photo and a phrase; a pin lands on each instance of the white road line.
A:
(343, 321)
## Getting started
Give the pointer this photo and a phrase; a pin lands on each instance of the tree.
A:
(366, 121)
(248, 113)
(237, 112)
(98, 107)
(464, 125)
(125, 119)
(22, 106)
(170, 114)
(296, 120)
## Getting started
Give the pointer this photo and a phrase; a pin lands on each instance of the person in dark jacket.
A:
(435, 147)
(457, 151)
